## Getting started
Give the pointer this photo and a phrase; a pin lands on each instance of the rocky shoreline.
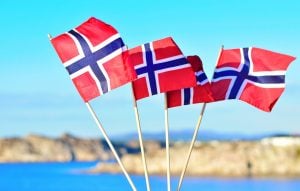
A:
(269, 157)
(34, 148)
(277, 156)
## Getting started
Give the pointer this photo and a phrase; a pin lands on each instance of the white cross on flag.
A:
(93, 54)
(160, 67)
(198, 94)
(253, 75)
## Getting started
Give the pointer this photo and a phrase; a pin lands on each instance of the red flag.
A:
(160, 67)
(93, 54)
(253, 75)
(198, 94)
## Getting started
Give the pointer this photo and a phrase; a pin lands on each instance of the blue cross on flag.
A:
(93, 54)
(253, 75)
(160, 67)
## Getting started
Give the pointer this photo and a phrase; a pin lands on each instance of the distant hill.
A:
(36, 148)
(186, 135)
(273, 157)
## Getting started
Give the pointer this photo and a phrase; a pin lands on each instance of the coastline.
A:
(269, 157)
(273, 157)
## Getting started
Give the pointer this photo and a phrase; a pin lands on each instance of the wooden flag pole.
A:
(191, 147)
(167, 144)
(194, 136)
(138, 125)
(112, 148)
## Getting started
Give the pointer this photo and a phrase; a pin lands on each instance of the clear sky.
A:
(37, 96)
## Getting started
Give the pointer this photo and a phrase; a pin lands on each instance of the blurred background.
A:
(44, 120)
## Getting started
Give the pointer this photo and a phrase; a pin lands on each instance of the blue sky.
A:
(37, 96)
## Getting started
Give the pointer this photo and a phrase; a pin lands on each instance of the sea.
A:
(70, 177)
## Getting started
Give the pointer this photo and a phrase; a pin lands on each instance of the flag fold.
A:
(160, 67)
(253, 75)
(93, 54)
(198, 94)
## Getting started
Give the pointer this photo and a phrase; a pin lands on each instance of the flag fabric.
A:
(93, 54)
(198, 94)
(253, 75)
(160, 67)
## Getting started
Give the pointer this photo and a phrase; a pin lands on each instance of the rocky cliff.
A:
(269, 157)
(34, 148)
(278, 156)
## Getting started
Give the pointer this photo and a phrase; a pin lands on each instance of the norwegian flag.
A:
(253, 75)
(160, 67)
(198, 94)
(93, 54)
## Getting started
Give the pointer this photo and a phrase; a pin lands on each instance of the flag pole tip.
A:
(49, 36)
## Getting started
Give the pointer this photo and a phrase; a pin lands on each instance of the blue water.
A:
(66, 177)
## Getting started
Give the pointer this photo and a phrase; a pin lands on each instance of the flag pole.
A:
(194, 136)
(167, 144)
(138, 125)
(191, 147)
(112, 148)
